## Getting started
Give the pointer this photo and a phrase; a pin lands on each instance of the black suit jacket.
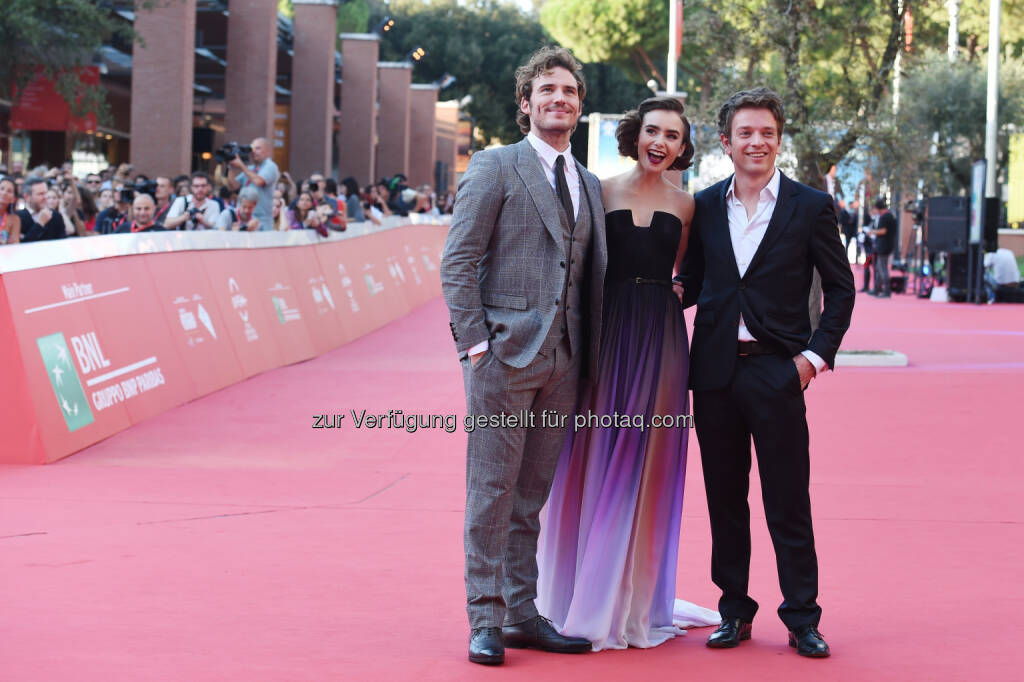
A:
(773, 294)
(31, 231)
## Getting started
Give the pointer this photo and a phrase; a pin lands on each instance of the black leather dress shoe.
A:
(486, 646)
(730, 633)
(539, 633)
(808, 642)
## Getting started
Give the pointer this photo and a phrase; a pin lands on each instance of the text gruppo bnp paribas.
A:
(90, 357)
(413, 422)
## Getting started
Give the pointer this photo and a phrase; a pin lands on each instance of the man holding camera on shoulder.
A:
(196, 211)
(261, 173)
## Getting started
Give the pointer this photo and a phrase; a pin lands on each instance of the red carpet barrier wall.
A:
(97, 344)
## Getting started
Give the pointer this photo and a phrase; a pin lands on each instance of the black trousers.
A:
(763, 401)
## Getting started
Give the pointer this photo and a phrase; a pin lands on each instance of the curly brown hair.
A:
(543, 60)
(628, 131)
(758, 98)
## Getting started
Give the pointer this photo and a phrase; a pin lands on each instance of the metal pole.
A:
(953, 34)
(992, 110)
(673, 58)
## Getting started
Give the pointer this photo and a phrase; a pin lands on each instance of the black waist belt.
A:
(641, 280)
(749, 348)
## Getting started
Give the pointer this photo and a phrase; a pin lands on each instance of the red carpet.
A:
(229, 540)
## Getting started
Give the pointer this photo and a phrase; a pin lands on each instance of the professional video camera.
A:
(916, 207)
(142, 185)
(229, 151)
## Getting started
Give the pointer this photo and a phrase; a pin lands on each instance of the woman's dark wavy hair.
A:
(628, 131)
(5, 178)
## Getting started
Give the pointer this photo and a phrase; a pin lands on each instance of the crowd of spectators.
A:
(245, 193)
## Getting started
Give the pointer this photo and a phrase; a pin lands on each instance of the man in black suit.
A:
(37, 221)
(755, 240)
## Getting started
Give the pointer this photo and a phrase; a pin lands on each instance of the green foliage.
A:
(353, 16)
(618, 31)
(948, 100)
(931, 21)
(57, 35)
(481, 43)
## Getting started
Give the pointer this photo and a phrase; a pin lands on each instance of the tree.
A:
(940, 127)
(481, 44)
(832, 64)
(353, 15)
(57, 36)
(621, 32)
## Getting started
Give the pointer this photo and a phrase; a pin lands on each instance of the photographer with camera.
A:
(261, 173)
(114, 215)
(196, 211)
(242, 218)
(327, 205)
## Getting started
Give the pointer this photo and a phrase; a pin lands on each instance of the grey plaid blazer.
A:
(500, 271)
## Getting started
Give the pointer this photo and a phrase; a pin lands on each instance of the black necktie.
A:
(563, 191)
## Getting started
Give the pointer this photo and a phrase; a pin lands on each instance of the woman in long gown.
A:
(610, 539)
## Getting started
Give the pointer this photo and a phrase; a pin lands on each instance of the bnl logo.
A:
(67, 386)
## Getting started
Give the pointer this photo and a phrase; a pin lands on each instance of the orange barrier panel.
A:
(110, 340)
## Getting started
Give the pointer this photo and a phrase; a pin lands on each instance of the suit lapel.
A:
(721, 221)
(785, 204)
(532, 173)
(591, 192)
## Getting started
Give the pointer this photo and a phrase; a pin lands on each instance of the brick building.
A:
(213, 71)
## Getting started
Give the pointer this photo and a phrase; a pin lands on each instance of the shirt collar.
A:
(548, 153)
(772, 187)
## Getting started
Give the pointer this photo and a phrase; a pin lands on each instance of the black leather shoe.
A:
(730, 633)
(486, 646)
(808, 642)
(539, 633)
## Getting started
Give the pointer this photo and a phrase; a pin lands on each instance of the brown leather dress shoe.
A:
(730, 633)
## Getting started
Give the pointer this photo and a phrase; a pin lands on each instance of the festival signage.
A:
(198, 325)
(40, 107)
(237, 288)
(109, 341)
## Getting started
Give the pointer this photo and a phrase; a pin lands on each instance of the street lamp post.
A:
(675, 11)
(992, 109)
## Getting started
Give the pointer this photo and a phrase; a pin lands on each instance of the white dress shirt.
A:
(746, 235)
(548, 155)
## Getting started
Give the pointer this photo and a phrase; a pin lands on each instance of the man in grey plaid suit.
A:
(522, 273)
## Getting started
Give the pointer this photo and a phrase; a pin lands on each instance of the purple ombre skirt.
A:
(609, 540)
